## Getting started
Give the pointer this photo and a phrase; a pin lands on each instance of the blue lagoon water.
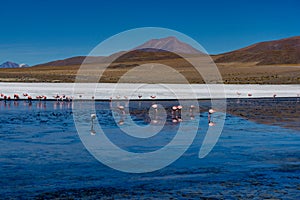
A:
(256, 157)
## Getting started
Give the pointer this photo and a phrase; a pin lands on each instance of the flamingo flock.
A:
(176, 110)
(249, 94)
(26, 96)
(209, 116)
(176, 113)
(63, 97)
(118, 97)
(16, 96)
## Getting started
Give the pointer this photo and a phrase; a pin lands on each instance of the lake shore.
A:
(106, 91)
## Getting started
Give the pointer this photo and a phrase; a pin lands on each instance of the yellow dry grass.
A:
(232, 73)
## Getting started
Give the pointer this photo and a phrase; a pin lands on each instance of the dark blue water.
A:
(43, 157)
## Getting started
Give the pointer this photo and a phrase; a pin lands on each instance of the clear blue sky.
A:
(43, 30)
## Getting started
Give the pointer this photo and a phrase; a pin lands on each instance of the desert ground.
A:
(232, 73)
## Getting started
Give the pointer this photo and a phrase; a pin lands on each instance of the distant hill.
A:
(154, 49)
(10, 64)
(284, 51)
(171, 44)
(77, 60)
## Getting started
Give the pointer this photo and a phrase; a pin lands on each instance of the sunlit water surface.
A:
(43, 157)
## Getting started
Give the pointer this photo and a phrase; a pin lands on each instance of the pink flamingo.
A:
(154, 121)
(192, 116)
(68, 98)
(211, 111)
(121, 108)
(56, 97)
(16, 96)
(121, 122)
(174, 120)
(39, 97)
(174, 111)
(154, 106)
(93, 117)
(211, 123)
(179, 108)
(174, 114)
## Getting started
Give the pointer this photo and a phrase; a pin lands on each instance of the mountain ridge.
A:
(154, 47)
(9, 64)
(171, 44)
(281, 51)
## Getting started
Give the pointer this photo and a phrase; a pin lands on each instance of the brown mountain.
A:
(284, 51)
(171, 44)
(154, 49)
(77, 60)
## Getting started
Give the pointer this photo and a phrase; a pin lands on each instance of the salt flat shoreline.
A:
(106, 91)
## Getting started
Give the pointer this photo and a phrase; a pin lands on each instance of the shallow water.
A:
(43, 157)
